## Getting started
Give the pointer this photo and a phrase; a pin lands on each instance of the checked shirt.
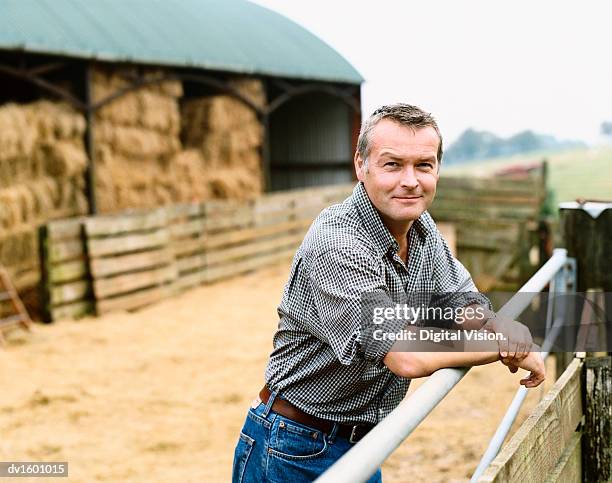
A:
(321, 361)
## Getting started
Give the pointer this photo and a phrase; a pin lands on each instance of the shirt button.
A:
(281, 424)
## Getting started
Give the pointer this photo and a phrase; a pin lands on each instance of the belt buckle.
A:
(353, 437)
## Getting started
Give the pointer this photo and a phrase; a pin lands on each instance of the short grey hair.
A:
(404, 114)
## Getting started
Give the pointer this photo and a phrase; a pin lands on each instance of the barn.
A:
(108, 106)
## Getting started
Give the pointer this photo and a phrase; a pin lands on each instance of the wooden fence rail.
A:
(547, 442)
(567, 436)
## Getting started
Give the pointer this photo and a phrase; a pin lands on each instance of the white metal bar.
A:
(363, 460)
(358, 464)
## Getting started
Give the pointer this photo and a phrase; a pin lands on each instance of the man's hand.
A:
(517, 343)
(535, 364)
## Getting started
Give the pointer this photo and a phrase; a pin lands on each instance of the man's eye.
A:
(391, 164)
(425, 165)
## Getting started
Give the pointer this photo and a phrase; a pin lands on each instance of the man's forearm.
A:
(421, 364)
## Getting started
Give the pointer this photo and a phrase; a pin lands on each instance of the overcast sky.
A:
(504, 67)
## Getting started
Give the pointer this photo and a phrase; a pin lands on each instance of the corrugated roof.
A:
(230, 35)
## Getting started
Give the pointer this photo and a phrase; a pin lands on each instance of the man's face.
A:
(402, 171)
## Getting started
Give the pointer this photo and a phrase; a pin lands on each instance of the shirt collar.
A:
(374, 225)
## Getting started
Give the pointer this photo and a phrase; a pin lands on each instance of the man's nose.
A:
(409, 179)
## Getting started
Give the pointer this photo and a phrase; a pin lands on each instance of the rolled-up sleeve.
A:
(343, 282)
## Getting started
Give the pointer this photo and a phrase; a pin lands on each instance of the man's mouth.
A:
(408, 200)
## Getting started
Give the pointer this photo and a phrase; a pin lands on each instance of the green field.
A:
(581, 173)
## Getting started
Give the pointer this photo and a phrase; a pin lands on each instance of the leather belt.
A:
(288, 410)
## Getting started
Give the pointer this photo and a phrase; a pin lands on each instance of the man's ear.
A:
(359, 168)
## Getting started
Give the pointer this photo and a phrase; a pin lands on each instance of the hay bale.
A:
(51, 187)
(32, 166)
(162, 195)
(27, 204)
(43, 198)
(159, 112)
(230, 113)
(228, 149)
(217, 113)
(72, 198)
(104, 134)
(251, 161)
(8, 214)
(9, 199)
(17, 135)
(123, 110)
(120, 176)
(171, 88)
(217, 148)
(186, 175)
(103, 154)
(56, 120)
(250, 135)
(20, 249)
(9, 174)
(227, 132)
(63, 158)
(235, 183)
(104, 179)
(138, 143)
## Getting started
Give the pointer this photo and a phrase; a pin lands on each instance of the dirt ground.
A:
(160, 394)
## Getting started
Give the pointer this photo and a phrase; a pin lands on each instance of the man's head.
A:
(398, 159)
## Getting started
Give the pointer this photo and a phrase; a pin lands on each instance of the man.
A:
(329, 380)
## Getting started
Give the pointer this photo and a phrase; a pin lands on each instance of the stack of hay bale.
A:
(136, 135)
(42, 161)
(140, 160)
(225, 136)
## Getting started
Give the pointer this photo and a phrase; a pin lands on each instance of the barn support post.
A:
(90, 172)
(265, 152)
(596, 435)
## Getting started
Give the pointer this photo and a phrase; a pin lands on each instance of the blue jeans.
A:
(275, 449)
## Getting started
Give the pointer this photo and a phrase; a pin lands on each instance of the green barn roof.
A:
(228, 35)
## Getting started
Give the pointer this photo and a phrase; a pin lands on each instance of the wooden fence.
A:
(128, 260)
(567, 436)
(66, 287)
(497, 225)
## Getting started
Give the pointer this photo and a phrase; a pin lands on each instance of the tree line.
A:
(473, 145)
